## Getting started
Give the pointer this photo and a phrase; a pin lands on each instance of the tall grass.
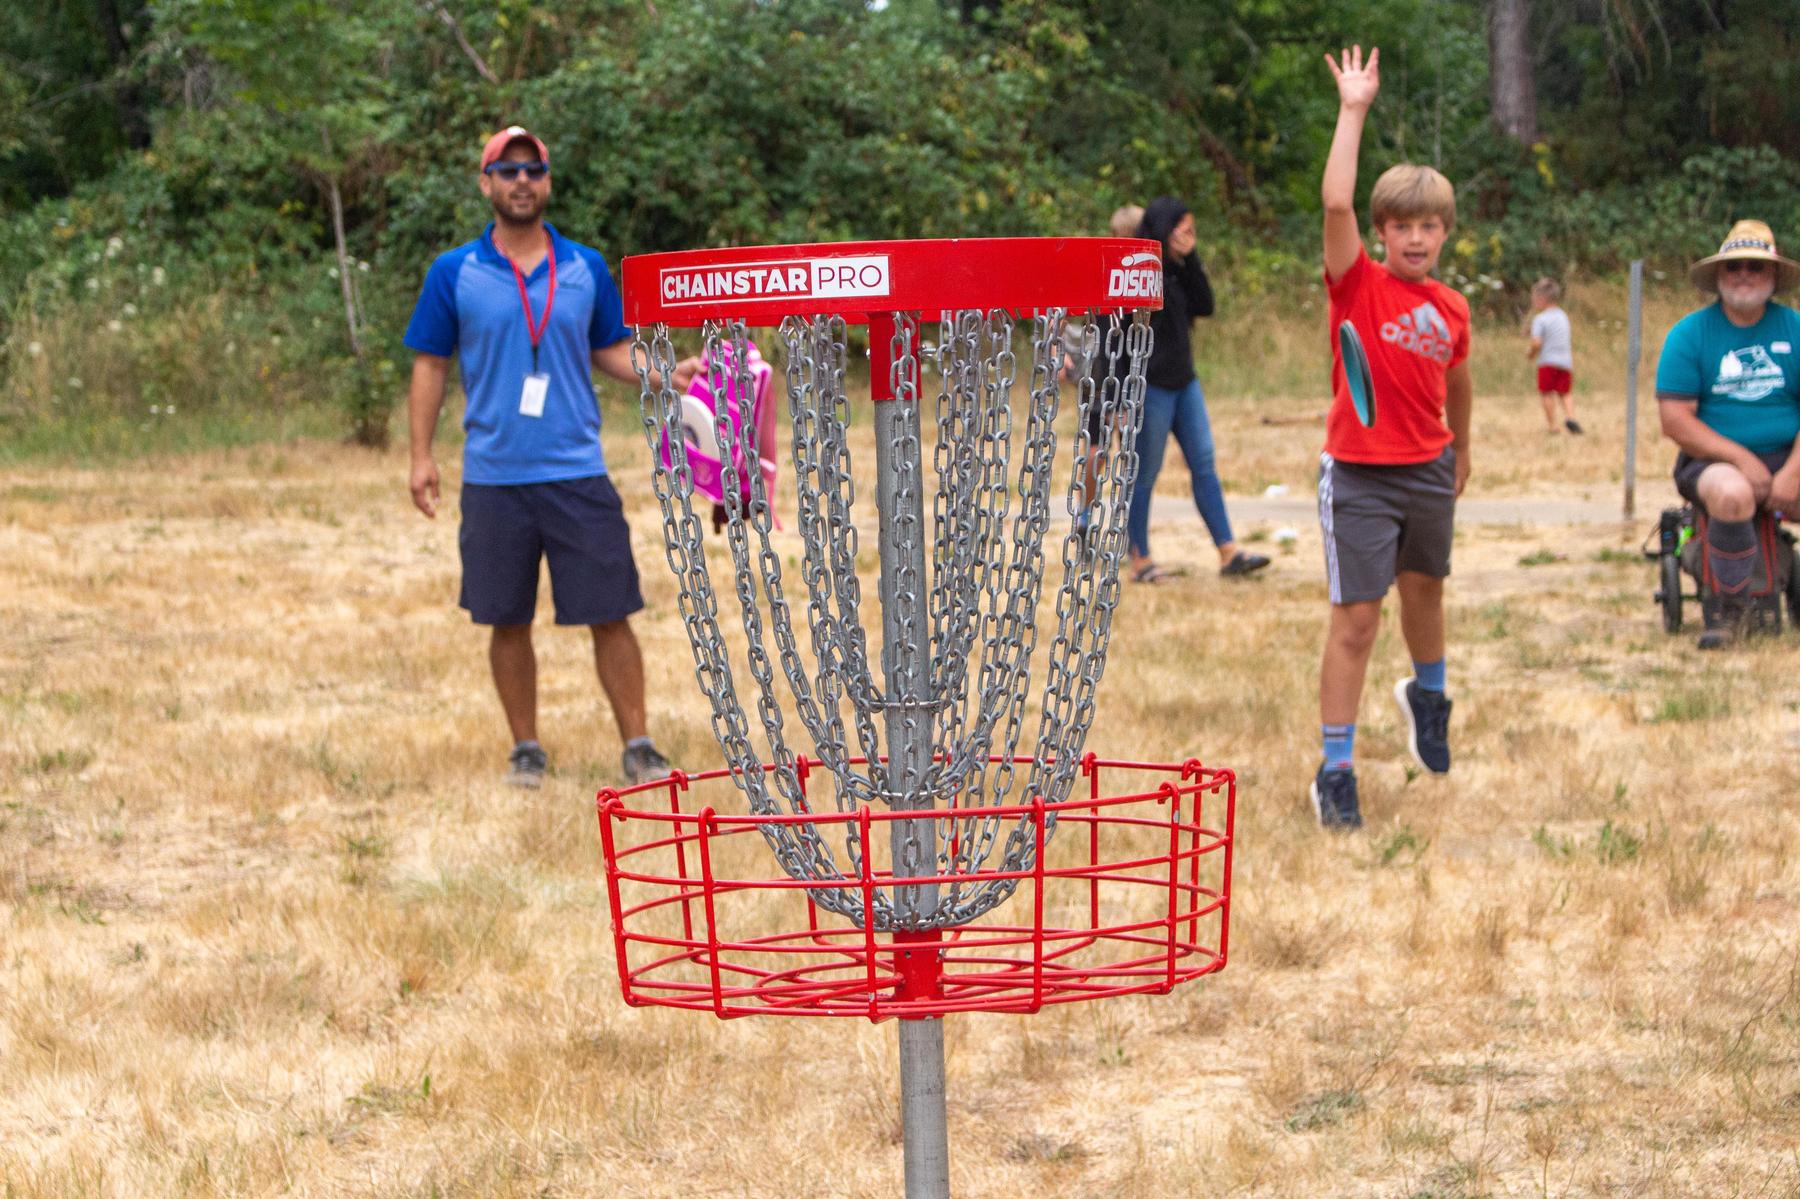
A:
(136, 362)
(272, 926)
(121, 357)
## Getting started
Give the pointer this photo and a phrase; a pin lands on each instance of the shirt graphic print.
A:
(1423, 331)
(1748, 374)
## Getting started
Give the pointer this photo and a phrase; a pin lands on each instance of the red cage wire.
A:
(1132, 895)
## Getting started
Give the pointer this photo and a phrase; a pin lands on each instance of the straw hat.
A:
(1747, 239)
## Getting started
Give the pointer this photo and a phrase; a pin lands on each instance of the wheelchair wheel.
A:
(1670, 594)
(1793, 587)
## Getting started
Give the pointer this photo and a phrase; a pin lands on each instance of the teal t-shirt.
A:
(1747, 380)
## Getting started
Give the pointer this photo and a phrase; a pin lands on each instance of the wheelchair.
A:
(1680, 555)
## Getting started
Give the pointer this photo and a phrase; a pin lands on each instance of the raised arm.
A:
(1357, 84)
(1199, 287)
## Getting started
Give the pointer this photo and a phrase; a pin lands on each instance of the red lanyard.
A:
(534, 328)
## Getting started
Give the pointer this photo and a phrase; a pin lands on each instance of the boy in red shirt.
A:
(1387, 493)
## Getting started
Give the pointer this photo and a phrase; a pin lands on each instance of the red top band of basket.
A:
(762, 284)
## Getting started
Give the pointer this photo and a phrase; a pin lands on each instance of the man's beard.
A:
(505, 215)
(1747, 301)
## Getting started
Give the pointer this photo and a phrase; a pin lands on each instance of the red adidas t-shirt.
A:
(1413, 334)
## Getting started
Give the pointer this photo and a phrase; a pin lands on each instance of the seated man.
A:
(1728, 388)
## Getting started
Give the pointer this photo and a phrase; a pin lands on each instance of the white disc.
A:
(697, 423)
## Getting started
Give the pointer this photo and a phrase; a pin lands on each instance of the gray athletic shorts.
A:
(1380, 520)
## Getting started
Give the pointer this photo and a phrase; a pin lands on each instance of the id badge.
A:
(531, 399)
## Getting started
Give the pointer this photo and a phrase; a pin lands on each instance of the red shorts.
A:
(1554, 378)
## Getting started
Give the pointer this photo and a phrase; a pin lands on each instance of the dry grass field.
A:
(271, 925)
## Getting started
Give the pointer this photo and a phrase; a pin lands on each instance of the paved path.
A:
(1292, 509)
(1302, 509)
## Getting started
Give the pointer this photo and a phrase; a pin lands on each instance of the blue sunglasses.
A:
(510, 170)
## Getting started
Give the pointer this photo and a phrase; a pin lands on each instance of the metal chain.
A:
(798, 849)
(728, 350)
(956, 663)
(974, 496)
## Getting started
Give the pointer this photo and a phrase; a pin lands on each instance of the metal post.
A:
(1633, 348)
(924, 1120)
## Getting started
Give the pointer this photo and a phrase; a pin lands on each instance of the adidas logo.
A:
(1424, 331)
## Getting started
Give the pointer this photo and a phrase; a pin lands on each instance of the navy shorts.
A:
(1688, 470)
(577, 524)
(1380, 520)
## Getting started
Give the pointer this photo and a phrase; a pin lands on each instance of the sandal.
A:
(1243, 564)
(1150, 572)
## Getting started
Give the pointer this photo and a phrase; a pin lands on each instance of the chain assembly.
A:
(934, 719)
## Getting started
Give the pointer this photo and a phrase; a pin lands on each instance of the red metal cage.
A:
(1131, 895)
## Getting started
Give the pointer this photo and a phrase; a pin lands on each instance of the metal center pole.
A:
(900, 499)
(1633, 351)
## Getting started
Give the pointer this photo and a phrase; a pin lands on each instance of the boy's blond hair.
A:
(1547, 287)
(1408, 191)
(1126, 220)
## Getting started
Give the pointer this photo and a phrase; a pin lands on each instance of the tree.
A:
(325, 99)
(71, 92)
(1512, 77)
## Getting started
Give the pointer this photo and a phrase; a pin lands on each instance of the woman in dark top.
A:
(1173, 402)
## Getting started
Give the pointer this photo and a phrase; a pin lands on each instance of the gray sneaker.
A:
(526, 764)
(642, 763)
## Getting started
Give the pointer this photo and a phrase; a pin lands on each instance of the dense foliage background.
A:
(216, 202)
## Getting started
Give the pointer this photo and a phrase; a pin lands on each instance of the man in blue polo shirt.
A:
(528, 314)
(1728, 386)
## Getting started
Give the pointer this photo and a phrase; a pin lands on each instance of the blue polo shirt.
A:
(470, 307)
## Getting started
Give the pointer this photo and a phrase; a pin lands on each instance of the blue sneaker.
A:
(1427, 724)
(1333, 795)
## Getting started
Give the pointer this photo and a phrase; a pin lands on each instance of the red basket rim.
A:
(1194, 776)
(1086, 767)
(763, 284)
(851, 984)
(724, 959)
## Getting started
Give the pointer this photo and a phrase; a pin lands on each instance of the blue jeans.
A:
(1182, 413)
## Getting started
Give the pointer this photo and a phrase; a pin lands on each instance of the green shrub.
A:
(693, 123)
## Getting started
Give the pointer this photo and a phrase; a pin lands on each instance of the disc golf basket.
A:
(894, 767)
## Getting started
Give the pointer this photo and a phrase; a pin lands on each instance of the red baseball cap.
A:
(496, 145)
